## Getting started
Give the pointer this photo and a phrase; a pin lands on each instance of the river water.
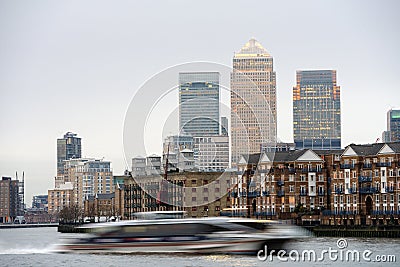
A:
(33, 247)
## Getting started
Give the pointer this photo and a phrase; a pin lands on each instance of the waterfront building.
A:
(393, 126)
(101, 205)
(40, 202)
(200, 194)
(199, 103)
(365, 185)
(68, 147)
(253, 100)
(60, 197)
(316, 110)
(211, 153)
(280, 184)
(88, 176)
(10, 200)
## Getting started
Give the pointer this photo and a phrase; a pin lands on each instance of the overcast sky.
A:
(75, 65)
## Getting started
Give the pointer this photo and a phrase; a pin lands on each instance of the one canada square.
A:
(253, 100)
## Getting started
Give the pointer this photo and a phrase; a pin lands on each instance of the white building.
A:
(211, 153)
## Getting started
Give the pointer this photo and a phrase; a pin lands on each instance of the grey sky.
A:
(75, 65)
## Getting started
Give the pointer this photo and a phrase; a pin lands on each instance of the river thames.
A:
(34, 247)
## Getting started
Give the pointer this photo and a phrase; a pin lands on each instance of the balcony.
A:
(369, 190)
(253, 194)
(389, 189)
(243, 194)
(367, 165)
(352, 190)
(347, 166)
(234, 194)
(364, 179)
(383, 164)
(303, 193)
(280, 182)
(292, 170)
(338, 191)
(281, 193)
(265, 193)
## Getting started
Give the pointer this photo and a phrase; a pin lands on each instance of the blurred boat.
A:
(167, 232)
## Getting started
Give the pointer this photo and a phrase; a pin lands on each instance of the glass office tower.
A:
(316, 110)
(199, 103)
(393, 126)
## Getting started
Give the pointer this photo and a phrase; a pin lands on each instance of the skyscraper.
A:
(253, 100)
(68, 147)
(393, 126)
(316, 110)
(199, 103)
(224, 126)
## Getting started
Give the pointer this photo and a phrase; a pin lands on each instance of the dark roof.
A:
(373, 149)
(105, 196)
(367, 150)
(253, 158)
(282, 156)
(279, 156)
(328, 152)
(395, 146)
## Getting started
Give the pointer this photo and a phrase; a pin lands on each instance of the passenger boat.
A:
(167, 232)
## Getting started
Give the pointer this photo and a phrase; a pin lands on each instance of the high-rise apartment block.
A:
(199, 103)
(85, 177)
(10, 200)
(68, 147)
(316, 110)
(253, 100)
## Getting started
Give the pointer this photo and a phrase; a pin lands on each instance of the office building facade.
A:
(199, 103)
(211, 153)
(253, 100)
(393, 126)
(316, 110)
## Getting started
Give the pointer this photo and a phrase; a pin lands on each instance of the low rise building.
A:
(198, 193)
(60, 197)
